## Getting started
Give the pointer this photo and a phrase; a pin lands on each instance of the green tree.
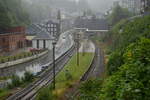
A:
(12, 14)
(5, 20)
(118, 14)
(131, 81)
(90, 90)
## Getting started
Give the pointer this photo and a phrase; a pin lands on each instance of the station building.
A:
(92, 25)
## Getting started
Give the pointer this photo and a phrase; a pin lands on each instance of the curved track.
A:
(45, 78)
(97, 66)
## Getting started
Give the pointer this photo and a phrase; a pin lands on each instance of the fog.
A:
(100, 5)
(96, 5)
(40, 9)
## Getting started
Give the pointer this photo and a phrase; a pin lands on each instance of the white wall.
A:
(41, 45)
(34, 44)
(49, 44)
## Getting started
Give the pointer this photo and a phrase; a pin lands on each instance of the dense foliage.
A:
(131, 81)
(122, 35)
(129, 63)
(12, 14)
(118, 14)
(46, 94)
(90, 90)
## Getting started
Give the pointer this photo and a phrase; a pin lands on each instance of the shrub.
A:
(45, 94)
(28, 77)
(115, 61)
(90, 90)
(131, 81)
(68, 75)
(16, 81)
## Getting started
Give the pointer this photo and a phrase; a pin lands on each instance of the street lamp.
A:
(53, 29)
(77, 42)
(54, 44)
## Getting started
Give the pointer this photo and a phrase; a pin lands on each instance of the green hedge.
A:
(4, 59)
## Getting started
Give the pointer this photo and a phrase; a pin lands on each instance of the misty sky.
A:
(101, 5)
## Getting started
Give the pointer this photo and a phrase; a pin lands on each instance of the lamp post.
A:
(54, 44)
(77, 43)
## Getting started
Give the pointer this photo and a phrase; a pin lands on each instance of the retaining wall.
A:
(23, 60)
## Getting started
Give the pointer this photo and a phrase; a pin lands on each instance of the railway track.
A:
(97, 65)
(46, 78)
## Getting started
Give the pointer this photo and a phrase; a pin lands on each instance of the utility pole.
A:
(54, 43)
(77, 45)
(77, 49)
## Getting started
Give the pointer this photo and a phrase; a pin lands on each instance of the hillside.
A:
(128, 67)
(12, 14)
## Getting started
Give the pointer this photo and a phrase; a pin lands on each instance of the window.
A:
(37, 43)
(44, 44)
(51, 29)
(52, 33)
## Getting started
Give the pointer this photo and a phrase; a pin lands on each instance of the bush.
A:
(90, 90)
(115, 61)
(45, 94)
(28, 77)
(16, 81)
(131, 81)
(122, 35)
(68, 75)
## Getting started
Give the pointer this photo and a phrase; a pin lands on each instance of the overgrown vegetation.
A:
(16, 81)
(45, 94)
(118, 13)
(128, 65)
(90, 90)
(131, 80)
(122, 35)
(69, 76)
(12, 14)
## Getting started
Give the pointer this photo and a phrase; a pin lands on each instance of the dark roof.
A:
(91, 24)
(43, 36)
(53, 21)
(32, 30)
(39, 32)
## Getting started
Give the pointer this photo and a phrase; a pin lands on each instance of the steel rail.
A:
(45, 79)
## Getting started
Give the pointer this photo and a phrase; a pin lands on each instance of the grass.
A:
(72, 73)
(16, 83)
(4, 94)
(4, 78)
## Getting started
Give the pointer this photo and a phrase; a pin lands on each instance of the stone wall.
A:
(23, 60)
